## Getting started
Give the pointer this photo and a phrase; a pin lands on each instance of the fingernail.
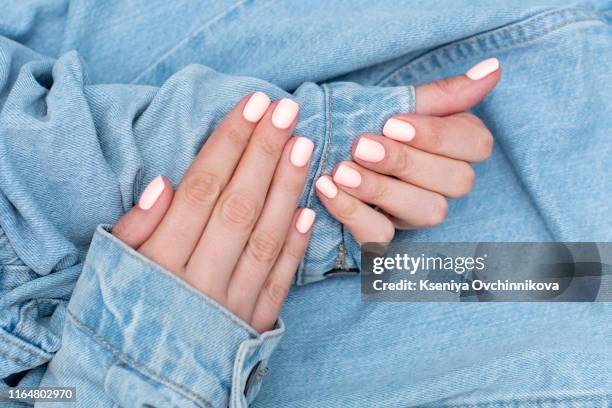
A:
(301, 151)
(151, 193)
(483, 68)
(399, 130)
(347, 176)
(256, 107)
(305, 220)
(284, 114)
(369, 150)
(326, 187)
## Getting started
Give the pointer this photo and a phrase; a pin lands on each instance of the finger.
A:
(269, 234)
(240, 204)
(278, 282)
(364, 223)
(452, 95)
(414, 206)
(461, 136)
(137, 225)
(450, 177)
(174, 240)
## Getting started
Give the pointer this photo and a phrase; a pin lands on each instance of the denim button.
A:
(342, 272)
(256, 373)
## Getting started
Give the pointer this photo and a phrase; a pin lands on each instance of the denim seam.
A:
(530, 401)
(127, 251)
(579, 15)
(35, 352)
(234, 389)
(130, 362)
(328, 101)
(192, 35)
(14, 359)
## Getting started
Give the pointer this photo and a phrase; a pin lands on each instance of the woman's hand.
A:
(420, 160)
(231, 229)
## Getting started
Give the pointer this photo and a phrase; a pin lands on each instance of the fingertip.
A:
(346, 175)
(304, 221)
(151, 193)
(255, 107)
(399, 130)
(326, 187)
(137, 225)
(459, 93)
(483, 69)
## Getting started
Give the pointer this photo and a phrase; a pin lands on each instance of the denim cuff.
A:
(164, 330)
(351, 110)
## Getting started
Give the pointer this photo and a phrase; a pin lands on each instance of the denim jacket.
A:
(96, 99)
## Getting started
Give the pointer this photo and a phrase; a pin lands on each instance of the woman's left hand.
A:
(420, 161)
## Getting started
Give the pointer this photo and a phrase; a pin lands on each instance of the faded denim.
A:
(82, 132)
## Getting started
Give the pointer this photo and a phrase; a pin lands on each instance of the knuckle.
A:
(237, 137)
(469, 118)
(400, 162)
(275, 292)
(446, 87)
(292, 186)
(387, 232)
(347, 209)
(376, 192)
(465, 180)
(485, 144)
(435, 133)
(438, 212)
(238, 210)
(201, 188)
(263, 247)
(270, 145)
(294, 251)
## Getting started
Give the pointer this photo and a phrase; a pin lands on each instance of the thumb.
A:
(457, 94)
(137, 225)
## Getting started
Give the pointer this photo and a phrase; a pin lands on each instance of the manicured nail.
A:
(483, 68)
(305, 220)
(256, 107)
(284, 114)
(399, 130)
(151, 193)
(369, 150)
(326, 187)
(347, 176)
(301, 151)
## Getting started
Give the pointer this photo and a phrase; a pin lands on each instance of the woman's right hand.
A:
(231, 229)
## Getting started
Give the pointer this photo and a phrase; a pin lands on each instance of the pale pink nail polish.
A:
(483, 68)
(305, 220)
(256, 107)
(301, 151)
(326, 186)
(399, 130)
(347, 176)
(369, 150)
(284, 114)
(151, 193)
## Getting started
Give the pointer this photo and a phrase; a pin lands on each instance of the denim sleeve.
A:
(136, 335)
(75, 154)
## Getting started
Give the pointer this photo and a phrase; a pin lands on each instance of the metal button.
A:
(257, 373)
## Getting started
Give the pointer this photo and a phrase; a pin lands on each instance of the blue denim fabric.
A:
(196, 357)
(77, 149)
